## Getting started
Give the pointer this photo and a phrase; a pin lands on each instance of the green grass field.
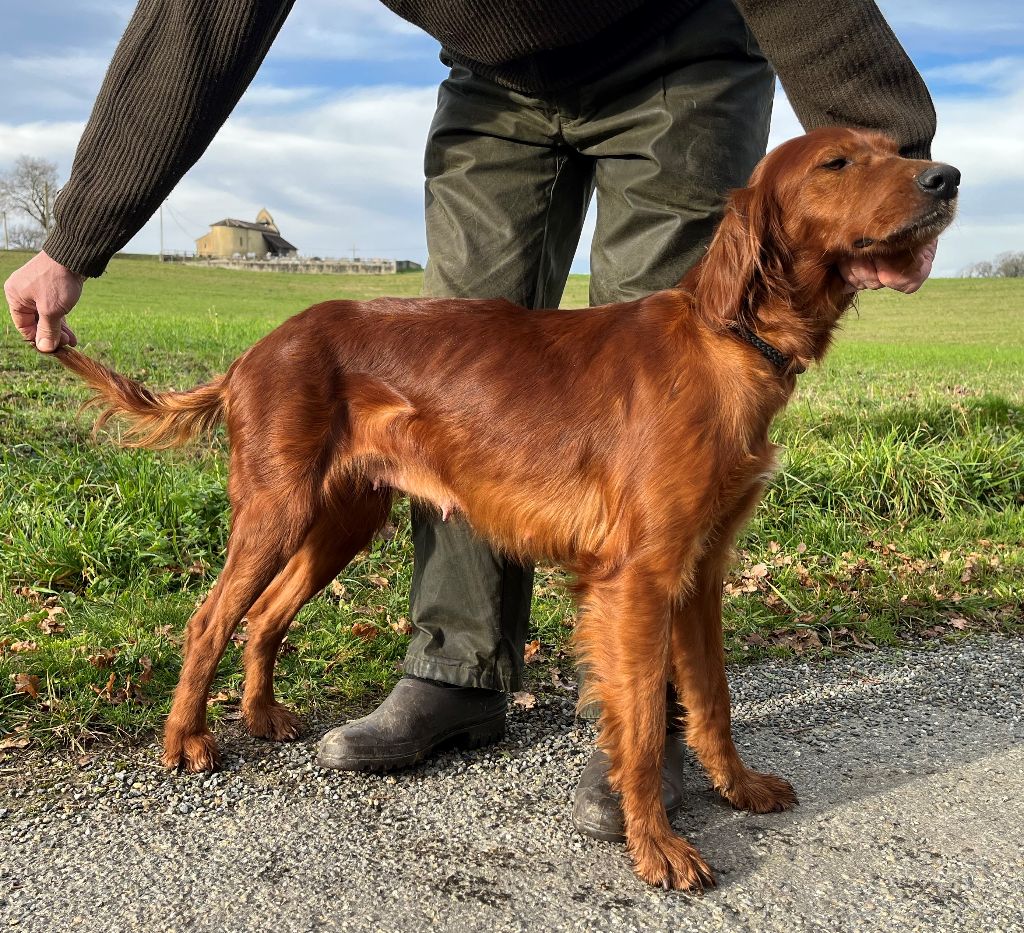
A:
(898, 513)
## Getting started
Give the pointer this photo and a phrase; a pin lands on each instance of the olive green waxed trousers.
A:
(660, 138)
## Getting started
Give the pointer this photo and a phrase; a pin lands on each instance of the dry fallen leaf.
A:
(863, 642)
(365, 630)
(103, 658)
(402, 626)
(337, 589)
(808, 638)
(27, 684)
(107, 690)
(133, 691)
(532, 650)
(223, 696)
(11, 742)
(377, 580)
(17, 647)
(147, 670)
(51, 624)
(524, 699)
(556, 680)
(26, 592)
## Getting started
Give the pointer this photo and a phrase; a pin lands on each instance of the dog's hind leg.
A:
(698, 661)
(339, 534)
(624, 639)
(262, 538)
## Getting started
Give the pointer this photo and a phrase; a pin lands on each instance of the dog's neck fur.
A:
(791, 300)
(799, 315)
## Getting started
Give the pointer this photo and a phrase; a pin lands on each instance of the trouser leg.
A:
(505, 202)
(670, 147)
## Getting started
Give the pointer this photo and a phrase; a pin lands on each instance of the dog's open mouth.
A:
(921, 230)
(924, 228)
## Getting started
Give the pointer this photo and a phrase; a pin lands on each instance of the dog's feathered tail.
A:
(154, 420)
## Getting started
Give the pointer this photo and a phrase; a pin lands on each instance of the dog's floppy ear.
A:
(745, 262)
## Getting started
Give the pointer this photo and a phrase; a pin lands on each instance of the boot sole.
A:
(469, 737)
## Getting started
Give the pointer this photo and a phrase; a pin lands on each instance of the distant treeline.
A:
(1005, 266)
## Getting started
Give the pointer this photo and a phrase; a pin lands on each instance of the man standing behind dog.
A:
(660, 106)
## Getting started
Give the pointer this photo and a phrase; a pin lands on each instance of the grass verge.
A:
(897, 514)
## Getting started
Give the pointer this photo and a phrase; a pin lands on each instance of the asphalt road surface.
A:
(909, 766)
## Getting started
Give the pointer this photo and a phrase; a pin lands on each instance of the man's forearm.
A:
(841, 64)
(178, 71)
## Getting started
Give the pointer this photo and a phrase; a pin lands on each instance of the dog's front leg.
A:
(698, 661)
(625, 641)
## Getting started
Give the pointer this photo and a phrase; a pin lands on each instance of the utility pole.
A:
(161, 231)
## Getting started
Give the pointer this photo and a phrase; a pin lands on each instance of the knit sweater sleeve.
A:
(841, 64)
(178, 71)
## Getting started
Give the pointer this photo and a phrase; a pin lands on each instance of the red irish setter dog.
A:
(627, 442)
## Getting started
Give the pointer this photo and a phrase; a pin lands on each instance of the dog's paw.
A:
(192, 753)
(670, 862)
(760, 793)
(273, 721)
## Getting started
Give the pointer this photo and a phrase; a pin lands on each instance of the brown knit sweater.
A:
(182, 65)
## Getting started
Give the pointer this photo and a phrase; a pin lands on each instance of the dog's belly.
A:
(527, 523)
(421, 485)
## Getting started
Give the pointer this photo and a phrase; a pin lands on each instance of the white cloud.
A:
(1004, 73)
(357, 30)
(337, 168)
(45, 86)
(347, 170)
(986, 17)
(55, 141)
(264, 96)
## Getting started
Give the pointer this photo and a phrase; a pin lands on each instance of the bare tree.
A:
(24, 236)
(1004, 266)
(1010, 265)
(29, 189)
(978, 270)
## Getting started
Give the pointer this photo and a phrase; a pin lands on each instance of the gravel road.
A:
(909, 766)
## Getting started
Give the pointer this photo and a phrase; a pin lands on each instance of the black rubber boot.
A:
(418, 718)
(597, 810)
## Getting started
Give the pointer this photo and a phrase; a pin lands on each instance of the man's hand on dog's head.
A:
(877, 272)
(40, 294)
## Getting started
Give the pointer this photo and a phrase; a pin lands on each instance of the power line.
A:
(174, 217)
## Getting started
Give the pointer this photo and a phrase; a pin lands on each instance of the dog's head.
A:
(815, 200)
(839, 192)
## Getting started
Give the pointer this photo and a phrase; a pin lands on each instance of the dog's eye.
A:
(835, 165)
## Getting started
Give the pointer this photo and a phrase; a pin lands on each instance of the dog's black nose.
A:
(940, 180)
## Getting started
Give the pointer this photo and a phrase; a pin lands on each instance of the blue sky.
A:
(330, 135)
